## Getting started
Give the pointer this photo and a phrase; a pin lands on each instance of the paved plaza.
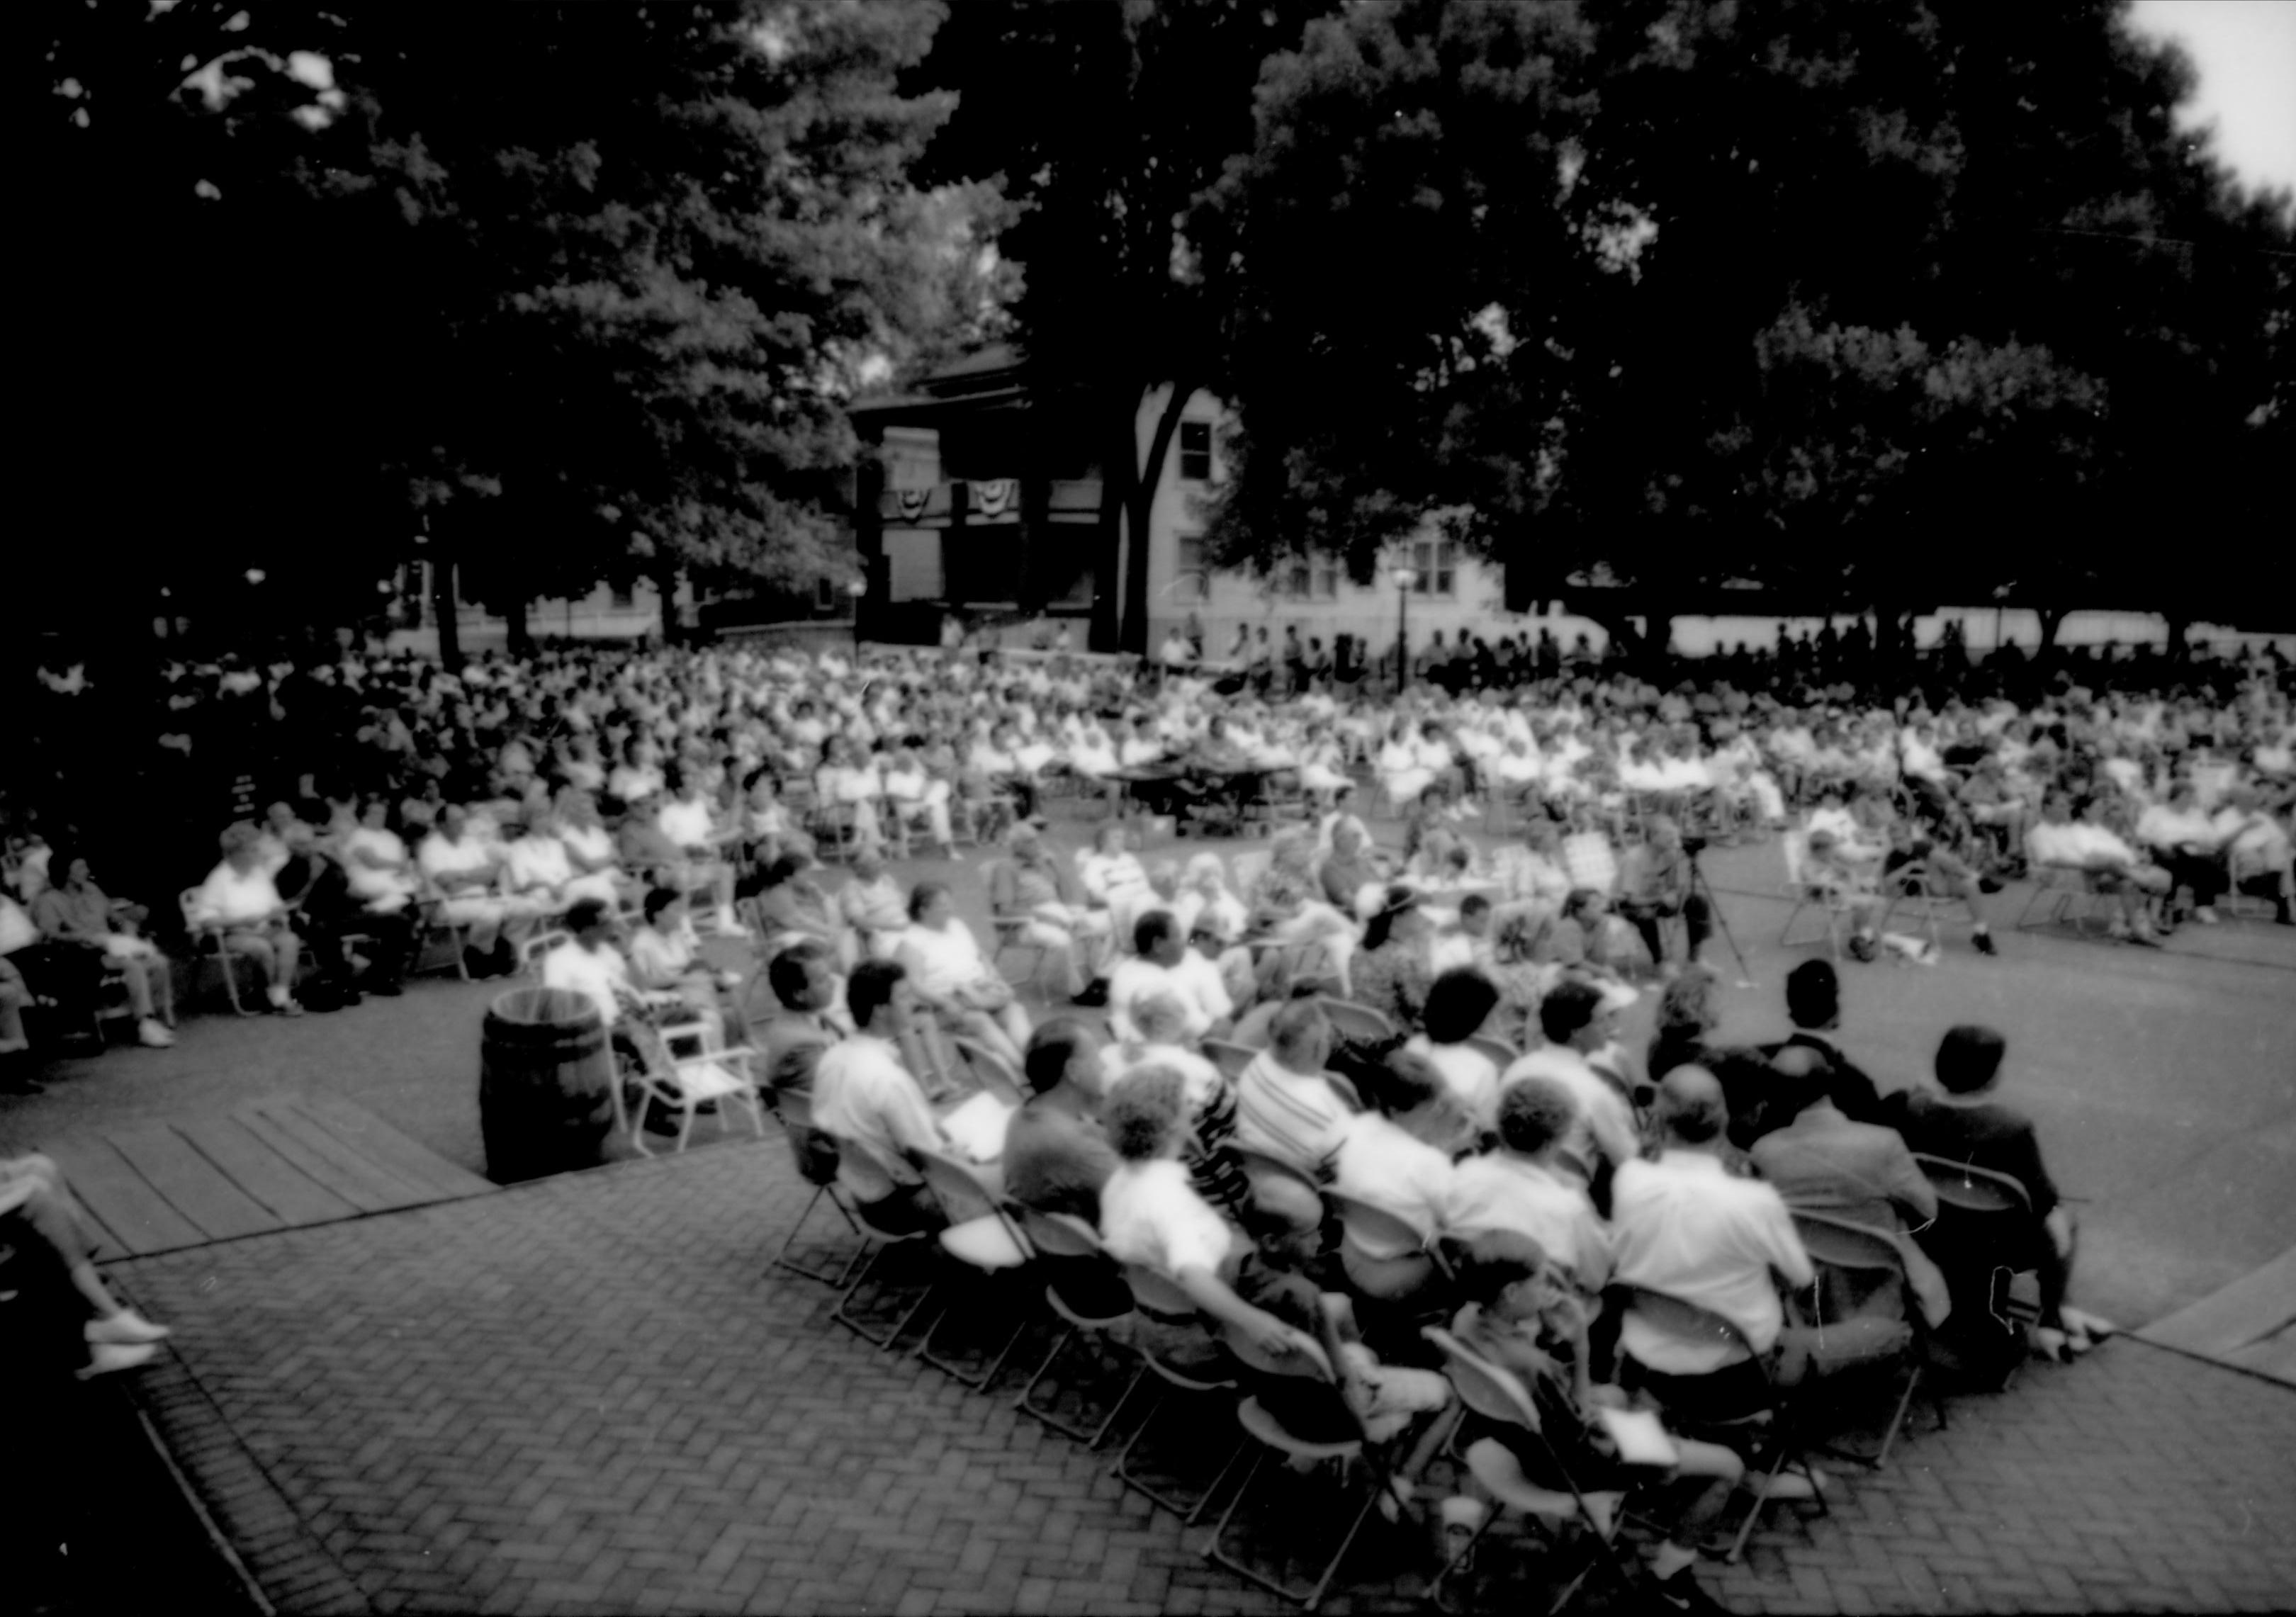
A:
(591, 1394)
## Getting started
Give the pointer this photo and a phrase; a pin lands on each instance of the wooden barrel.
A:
(545, 1084)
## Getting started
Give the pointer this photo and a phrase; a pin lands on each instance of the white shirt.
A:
(1606, 1124)
(1502, 1191)
(1684, 1227)
(941, 961)
(233, 896)
(1472, 1077)
(1298, 1119)
(685, 823)
(1151, 1214)
(594, 974)
(1381, 1164)
(863, 1095)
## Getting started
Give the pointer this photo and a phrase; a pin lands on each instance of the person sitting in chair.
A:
(42, 1221)
(864, 1095)
(949, 973)
(240, 901)
(1963, 1122)
(1656, 881)
(76, 914)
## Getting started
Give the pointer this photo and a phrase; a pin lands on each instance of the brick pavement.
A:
(584, 1395)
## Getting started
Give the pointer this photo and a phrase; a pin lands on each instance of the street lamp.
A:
(854, 590)
(1403, 578)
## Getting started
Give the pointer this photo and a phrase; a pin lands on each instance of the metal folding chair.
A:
(1060, 1239)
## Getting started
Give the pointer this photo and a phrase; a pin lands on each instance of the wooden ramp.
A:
(281, 1163)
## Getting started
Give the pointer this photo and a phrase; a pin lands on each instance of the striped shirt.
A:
(1294, 1118)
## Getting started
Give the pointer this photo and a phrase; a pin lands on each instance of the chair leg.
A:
(845, 1270)
(1313, 1595)
(1179, 1505)
(852, 1322)
(976, 1383)
(1093, 1439)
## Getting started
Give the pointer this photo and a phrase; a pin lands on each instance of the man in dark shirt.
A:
(1056, 1158)
(1960, 1122)
(1814, 1006)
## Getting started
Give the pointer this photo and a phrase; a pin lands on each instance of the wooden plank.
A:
(2252, 1308)
(342, 1174)
(356, 1125)
(193, 1186)
(269, 1177)
(138, 1217)
(287, 1112)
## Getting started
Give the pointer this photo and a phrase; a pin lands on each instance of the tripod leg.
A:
(1705, 889)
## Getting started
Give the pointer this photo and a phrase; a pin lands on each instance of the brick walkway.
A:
(584, 1395)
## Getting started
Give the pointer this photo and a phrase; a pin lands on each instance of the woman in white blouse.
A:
(239, 901)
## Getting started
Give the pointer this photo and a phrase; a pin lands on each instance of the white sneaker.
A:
(105, 1358)
(2205, 915)
(150, 1033)
(126, 1328)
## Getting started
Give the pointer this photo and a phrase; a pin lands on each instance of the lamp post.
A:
(1403, 578)
(854, 589)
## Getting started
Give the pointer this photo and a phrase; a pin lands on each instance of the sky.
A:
(2246, 52)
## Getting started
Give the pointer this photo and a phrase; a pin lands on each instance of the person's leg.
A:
(1646, 919)
(135, 971)
(1013, 1022)
(1697, 923)
(1060, 948)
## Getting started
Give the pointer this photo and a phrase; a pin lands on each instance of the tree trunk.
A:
(665, 584)
(443, 609)
(1139, 504)
(2178, 651)
(2053, 619)
(520, 639)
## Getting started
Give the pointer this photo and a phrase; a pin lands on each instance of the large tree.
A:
(570, 291)
(1102, 124)
(1817, 287)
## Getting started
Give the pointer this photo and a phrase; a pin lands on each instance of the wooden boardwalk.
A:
(281, 1163)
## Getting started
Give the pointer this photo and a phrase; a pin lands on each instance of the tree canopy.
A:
(1910, 299)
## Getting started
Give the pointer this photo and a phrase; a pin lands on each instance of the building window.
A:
(1193, 583)
(622, 598)
(1195, 452)
(1327, 583)
(1435, 562)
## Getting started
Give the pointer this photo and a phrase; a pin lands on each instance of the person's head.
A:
(662, 908)
(1142, 1113)
(803, 976)
(1404, 1083)
(1536, 1115)
(1475, 915)
(1663, 836)
(1300, 1037)
(878, 994)
(1814, 995)
(1458, 1003)
(1800, 1077)
(1161, 1016)
(1347, 839)
(588, 921)
(1206, 874)
(375, 813)
(1024, 842)
(1573, 1014)
(868, 864)
(1064, 1050)
(1690, 1110)
(1686, 1007)
(451, 821)
(1400, 919)
(1284, 1220)
(931, 905)
(1156, 938)
(1506, 1274)
(1969, 1059)
(1109, 839)
(67, 868)
(238, 842)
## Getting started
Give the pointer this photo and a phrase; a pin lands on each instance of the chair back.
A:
(815, 1152)
(1345, 1088)
(1257, 1165)
(1842, 1245)
(1375, 1231)
(1301, 1356)
(1505, 1054)
(1058, 1234)
(1794, 845)
(1159, 1295)
(1491, 1391)
(1357, 1024)
(959, 1191)
(993, 1071)
(1688, 1321)
(1970, 1188)
(1231, 1059)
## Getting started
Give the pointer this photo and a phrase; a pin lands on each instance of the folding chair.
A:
(980, 1239)
(1384, 1256)
(1159, 1298)
(1853, 1263)
(1498, 1395)
(1231, 1059)
(1801, 893)
(207, 944)
(1688, 1321)
(2059, 890)
(991, 1070)
(531, 951)
(1506, 1054)
(1357, 1024)
(703, 1076)
(1059, 1240)
(1982, 1214)
(877, 1243)
(433, 928)
(816, 1155)
(1013, 933)
(1304, 1359)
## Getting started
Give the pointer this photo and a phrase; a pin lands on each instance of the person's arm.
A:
(1214, 1297)
(1788, 1257)
(53, 917)
(1910, 1190)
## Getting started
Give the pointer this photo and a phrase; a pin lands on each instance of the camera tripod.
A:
(1702, 888)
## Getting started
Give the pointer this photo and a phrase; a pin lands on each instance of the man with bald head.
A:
(1682, 1226)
